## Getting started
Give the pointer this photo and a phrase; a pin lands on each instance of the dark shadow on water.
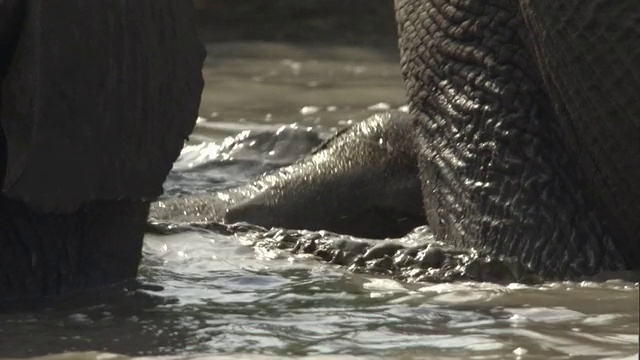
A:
(129, 319)
(368, 23)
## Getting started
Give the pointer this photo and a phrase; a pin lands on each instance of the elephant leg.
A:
(97, 98)
(362, 182)
(495, 172)
(45, 255)
(96, 101)
(588, 53)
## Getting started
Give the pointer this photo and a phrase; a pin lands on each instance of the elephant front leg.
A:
(495, 174)
(97, 100)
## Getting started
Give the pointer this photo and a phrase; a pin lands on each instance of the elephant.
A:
(96, 102)
(522, 140)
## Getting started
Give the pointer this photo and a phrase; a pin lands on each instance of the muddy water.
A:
(262, 85)
(209, 294)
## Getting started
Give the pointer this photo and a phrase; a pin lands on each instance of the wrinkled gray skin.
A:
(523, 140)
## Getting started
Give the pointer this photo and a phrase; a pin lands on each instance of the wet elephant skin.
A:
(363, 182)
(518, 121)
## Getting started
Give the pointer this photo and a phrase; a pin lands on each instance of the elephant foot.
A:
(49, 254)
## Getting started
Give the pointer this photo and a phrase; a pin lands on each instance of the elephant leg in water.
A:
(523, 138)
(529, 127)
(96, 101)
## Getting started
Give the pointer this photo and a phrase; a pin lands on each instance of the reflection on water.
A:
(221, 296)
(277, 303)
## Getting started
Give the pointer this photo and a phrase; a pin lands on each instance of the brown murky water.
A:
(222, 298)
